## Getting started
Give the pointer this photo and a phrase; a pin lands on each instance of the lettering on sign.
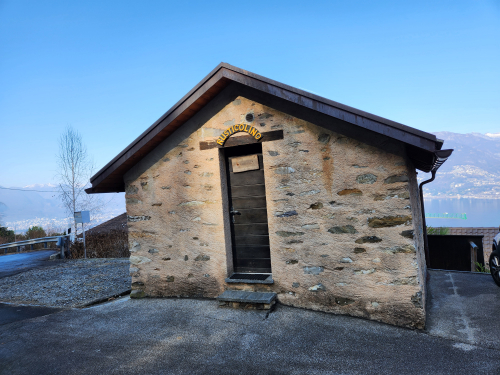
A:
(236, 129)
(245, 163)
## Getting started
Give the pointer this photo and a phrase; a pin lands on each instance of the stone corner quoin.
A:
(341, 217)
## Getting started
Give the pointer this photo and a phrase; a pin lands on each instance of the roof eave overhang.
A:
(420, 145)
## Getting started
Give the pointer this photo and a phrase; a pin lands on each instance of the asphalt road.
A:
(13, 313)
(12, 264)
(187, 336)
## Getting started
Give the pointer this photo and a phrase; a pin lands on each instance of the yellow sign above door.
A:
(236, 129)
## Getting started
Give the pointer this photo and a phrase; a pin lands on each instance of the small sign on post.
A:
(83, 217)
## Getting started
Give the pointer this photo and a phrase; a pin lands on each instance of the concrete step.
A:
(247, 300)
(248, 278)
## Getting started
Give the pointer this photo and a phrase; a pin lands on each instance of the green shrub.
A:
(438, 231)
(481, 268)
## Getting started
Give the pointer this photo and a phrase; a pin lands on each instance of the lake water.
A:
(480, 212)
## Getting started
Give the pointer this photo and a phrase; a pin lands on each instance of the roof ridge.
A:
(422, 145)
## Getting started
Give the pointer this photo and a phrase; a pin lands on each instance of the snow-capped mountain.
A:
(21, 203)
(39, 204)
(40, 186)
(493, 135)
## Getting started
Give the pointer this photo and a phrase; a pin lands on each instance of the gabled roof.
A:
(420, 146)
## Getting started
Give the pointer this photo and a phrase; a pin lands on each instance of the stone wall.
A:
(340, 218)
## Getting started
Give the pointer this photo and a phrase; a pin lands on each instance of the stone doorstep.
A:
(238, 296)
(247, 306)
(269, 280)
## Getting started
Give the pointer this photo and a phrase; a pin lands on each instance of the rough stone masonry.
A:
(344, 219)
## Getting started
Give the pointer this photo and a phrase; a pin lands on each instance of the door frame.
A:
(225, 211)
(226, 206)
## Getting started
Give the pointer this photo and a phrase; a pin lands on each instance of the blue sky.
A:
(111, 68)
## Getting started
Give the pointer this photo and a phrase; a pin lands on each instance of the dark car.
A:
(495, 259)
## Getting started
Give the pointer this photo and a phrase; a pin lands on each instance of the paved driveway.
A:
(464, 306)
(13, 264)
(187, 336)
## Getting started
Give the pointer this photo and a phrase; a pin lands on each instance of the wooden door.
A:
(248, 212)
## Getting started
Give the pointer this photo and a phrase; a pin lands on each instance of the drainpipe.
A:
(426, 244)
(439, 158)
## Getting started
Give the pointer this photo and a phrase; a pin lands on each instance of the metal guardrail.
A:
(44, 240)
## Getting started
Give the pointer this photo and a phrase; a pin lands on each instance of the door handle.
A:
(234, 212)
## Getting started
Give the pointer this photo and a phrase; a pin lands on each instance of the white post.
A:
(84, 247)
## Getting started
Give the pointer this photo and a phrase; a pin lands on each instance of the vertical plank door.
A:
(248, 212)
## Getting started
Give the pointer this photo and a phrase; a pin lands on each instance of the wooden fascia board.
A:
(225, 71)
(153, 130)
(320, 99)
(398, 133)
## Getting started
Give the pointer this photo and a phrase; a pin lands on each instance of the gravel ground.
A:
(68, 283)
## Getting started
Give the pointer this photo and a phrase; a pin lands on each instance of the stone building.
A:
(249, 184)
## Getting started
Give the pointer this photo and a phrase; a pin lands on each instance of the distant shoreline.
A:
(461, 197)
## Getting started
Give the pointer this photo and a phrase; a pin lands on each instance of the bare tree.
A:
(75, 170)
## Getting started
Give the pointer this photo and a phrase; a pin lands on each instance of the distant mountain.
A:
(22, 207)
(472, 171)
(24, 204)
